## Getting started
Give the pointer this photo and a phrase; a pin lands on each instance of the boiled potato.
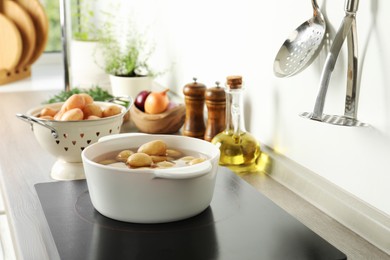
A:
(111, 110)
(196, 161)
(159, 158)
(59, 114)
(124, 155)
(92, 117)
(85, 103)
(187, 158)
(87, 98)
(92, 109)
(174, 153)
(156, 147)
(74, 101)
(139, 160)
(165, 164)
(73, 114)
(47, 111)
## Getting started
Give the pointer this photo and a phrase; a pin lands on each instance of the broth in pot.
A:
(154, 154)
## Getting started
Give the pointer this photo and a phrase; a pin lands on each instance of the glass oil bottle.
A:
(239, 149)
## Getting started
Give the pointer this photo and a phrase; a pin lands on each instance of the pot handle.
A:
(125, 101)
(31, 120)
(186, 172)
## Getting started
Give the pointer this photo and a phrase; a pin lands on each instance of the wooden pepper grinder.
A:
(216, 107)
(194, 123)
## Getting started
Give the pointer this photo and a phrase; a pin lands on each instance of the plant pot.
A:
(85, 73)
(129, 86)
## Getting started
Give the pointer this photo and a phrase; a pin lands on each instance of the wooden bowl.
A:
(168, 122)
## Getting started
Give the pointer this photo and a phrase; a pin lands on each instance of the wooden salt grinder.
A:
(216, 107)
(194, 123)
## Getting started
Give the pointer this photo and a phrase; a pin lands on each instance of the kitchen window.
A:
(53, 15)
(82, 11)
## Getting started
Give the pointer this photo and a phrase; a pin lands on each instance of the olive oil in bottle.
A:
(239, 149)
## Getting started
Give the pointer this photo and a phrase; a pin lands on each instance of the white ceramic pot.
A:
(150, 195)
(84, 69)
(129, 86)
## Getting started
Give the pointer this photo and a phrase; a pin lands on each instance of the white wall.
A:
(213, 39)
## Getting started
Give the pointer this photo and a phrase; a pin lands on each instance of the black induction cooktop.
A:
(240, 223)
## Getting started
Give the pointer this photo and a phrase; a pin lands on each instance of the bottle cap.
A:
(234, 82)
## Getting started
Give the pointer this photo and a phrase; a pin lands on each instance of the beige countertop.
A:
(24, 163)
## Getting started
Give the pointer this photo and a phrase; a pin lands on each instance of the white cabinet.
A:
(7, 248)
(7, 251)
(2, 208)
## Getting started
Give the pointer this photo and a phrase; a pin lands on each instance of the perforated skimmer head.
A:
(302, 46)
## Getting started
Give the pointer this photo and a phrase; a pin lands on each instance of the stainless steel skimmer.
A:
(347, 29)
(302, 46)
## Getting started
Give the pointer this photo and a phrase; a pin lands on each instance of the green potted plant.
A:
(125, 52)
(83, 46)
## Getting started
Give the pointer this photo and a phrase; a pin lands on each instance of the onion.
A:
(156, 102)
(140, 99)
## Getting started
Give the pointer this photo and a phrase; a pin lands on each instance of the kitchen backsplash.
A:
(212, 39)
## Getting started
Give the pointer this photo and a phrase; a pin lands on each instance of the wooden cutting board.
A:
(10, 44)
(25, 25)
(36, 11)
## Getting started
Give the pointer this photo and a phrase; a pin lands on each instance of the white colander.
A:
(67, 139)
